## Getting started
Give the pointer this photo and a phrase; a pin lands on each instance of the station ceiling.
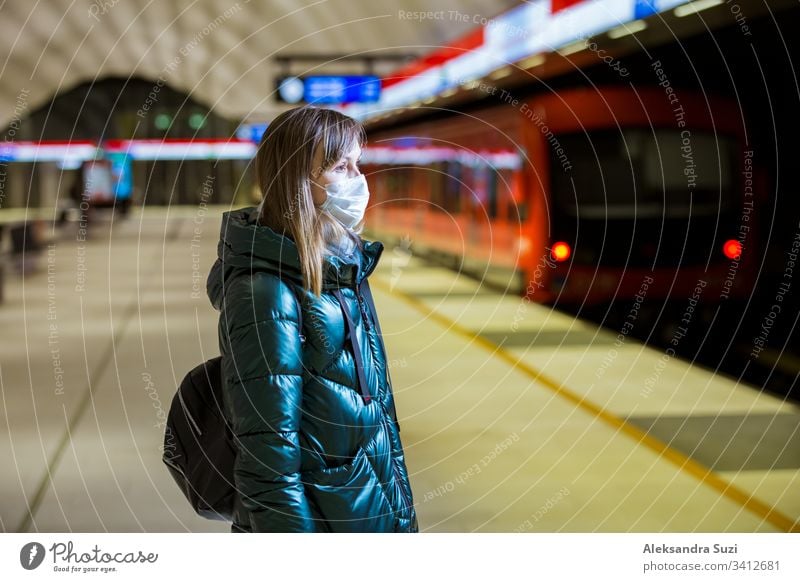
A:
(222, 52)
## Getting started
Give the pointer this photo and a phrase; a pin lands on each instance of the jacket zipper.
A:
(400, 483)
(395, 470)
(361, 308)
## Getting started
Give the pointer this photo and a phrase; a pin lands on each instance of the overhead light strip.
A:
(627, 29)
(695, 7)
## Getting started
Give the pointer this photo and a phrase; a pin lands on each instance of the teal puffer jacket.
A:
(318, 450)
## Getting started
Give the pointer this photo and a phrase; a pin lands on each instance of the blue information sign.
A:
(645, 8)
(121, 172)
(6, 153)
(251, 131)
(330, 89)
(338, 89)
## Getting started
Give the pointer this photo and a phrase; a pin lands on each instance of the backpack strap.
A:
(371, 304)
(351, 332)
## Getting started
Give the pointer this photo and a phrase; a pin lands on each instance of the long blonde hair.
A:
(284, 166)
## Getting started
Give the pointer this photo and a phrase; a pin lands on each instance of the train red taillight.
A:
(732, 249)
(560, 251)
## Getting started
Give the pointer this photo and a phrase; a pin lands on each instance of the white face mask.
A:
(347, 200)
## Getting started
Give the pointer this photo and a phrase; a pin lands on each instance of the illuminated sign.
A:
(120, 153)
(178, 149)
(329, 89)
(533, 28)
(562, 4)
(251, 131)
(122, 174)
(645, 8)
(98, 183)
(70, 153)
(423, 156)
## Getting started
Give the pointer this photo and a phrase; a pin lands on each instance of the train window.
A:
(397, 187)
(509, 207)
(453, 176)
(692, 169)
(598, 178)
(470, 194)
(433, 175)
(517, 203)
(481, 181)
(522, 212)
(638, 172)
(491, 191)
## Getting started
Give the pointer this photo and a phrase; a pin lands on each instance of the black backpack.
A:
(198, 443)
(199, 449)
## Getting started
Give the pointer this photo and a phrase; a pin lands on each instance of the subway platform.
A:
(515, 417)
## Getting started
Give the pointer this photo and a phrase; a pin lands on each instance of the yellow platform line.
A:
(685, 463)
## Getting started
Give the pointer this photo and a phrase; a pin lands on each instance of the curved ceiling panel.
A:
(220, 52)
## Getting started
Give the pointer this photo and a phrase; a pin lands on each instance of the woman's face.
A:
(346, 167)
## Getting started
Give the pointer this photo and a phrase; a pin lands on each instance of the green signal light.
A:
(163, 121)
(197, 120)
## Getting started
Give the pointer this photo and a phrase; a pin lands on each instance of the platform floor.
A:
(514, 416)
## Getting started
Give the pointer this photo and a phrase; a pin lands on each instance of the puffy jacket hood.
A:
(246, 246)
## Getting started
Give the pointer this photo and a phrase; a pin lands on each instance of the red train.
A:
(578, 196)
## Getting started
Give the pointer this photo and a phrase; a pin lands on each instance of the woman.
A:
(307, 388)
